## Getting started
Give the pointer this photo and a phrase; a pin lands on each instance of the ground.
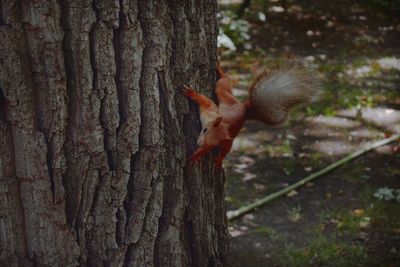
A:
(340, 218)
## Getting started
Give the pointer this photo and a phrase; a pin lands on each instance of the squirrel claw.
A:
(187, 90)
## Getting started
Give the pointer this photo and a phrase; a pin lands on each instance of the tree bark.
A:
(94, 134)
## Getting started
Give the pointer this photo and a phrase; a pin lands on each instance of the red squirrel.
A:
(271, 95)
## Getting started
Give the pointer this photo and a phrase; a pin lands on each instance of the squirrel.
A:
(271, 95)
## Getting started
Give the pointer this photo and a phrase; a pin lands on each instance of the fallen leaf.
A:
(362, 236)
(261, 16)
(292, 193)
(239, 170)
(365, 222)
(259, 187)
(358, 212)
(308, 169)
(328, 195)
(235, 233)
(248, 176)
(241, 166)
(246, 160)
(248, 217)
(309, 33)
(334, 221)
(306, 252)
(387, 135)
(396, 230)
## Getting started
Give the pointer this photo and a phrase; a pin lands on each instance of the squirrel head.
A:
(214, 132)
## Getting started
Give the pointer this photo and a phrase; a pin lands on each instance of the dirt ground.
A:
(339, 219)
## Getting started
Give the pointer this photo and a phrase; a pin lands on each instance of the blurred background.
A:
(350, 217)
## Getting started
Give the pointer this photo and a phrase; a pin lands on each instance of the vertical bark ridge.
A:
(104, 69)
(44, 43)
(91, 58)
(128, 45)
(44, 220)
(87, 174)
(102, 235)
(169, 238)
(12, 226)
(147, 181)
(13, 247)
(84, 132)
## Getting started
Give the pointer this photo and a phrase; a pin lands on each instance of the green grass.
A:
(334, 245)
(353, 173)
(323, 251)
(373, 215)
(294, 214)
(283, 149)
(385, 215)
(241, 194)
(383, 5)
(267, 232)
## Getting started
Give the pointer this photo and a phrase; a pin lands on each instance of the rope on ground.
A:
(245, 209)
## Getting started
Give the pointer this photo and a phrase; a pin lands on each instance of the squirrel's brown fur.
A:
(271, 95)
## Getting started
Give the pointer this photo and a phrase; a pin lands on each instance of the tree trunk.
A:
(94, 134)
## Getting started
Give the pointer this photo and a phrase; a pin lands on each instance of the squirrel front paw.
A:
(188, 91)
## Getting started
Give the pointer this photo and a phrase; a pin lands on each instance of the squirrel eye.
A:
(205, 130)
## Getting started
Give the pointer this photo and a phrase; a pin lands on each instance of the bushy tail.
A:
(275, 91)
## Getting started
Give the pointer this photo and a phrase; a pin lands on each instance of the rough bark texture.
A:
(94, 134)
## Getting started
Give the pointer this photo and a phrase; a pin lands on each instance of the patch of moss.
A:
(385, 216)
(323, 251)
(373, 215)
(353, 174)
(267, 232)
(284, 149)
(314, 159)
(238, 192)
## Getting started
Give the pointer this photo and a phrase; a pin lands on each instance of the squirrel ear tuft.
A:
(217, 121)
